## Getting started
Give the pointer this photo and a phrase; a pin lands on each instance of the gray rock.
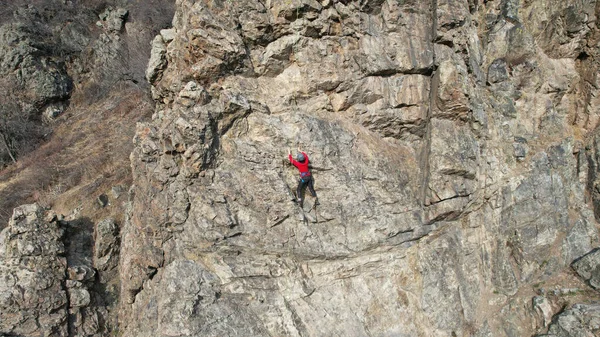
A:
(521, 148)
(106, 245)
(81, 273)
(497, 71)
(588, 268)
(114, 18)
(579, 320)
(168, 34)
(510, 10)
(117, 191)
(443, 199)
(543, 307)
(157, 59)
(78, 297)
(31, 275)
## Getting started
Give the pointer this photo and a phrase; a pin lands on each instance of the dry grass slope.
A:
(87, 154)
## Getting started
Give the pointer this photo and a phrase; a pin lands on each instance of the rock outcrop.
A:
(72, 74)
(49, 284)
(581, 320)
(34, 299)
(55, 53)
(451, 141)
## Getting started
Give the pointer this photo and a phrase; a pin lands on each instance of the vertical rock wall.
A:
(454, 153)
(49, 283)
(34, 300)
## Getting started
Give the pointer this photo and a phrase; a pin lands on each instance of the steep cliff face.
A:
(455, 166)
(455, 153)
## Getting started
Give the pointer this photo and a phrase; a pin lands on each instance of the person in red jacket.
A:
(306, 178)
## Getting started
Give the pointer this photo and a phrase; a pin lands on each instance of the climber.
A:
(306, 178)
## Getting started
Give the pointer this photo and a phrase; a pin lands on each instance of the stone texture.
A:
(157, 58)
(106, 245)
(56, 53)
(587, 267)
(113, 19)
(47, 282)
(32, 269)
(580, 320)
(450, 174)
(27, 56)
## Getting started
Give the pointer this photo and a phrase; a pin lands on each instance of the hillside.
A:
(75, 84)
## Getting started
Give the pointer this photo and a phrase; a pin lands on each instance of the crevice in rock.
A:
(152, 271)
(67, 306)
(400, 233)
(450, 198)
(426, 71)
(583, 56)
(296, 320)
(414, 239)
(426, 149)
(461, 173)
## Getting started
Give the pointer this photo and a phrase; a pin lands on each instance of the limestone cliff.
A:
(456, 170)
(455, 154)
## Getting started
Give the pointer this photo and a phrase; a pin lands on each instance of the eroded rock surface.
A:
(54, 54)
(49, 285)
(34, 299)
(581, 320)
(450, 140)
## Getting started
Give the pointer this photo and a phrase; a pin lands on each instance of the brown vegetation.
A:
(69, 162)
(87, 154)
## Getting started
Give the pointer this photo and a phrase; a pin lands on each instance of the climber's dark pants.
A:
(302, 183)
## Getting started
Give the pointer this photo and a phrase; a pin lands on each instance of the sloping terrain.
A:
(75, 88)
(74, 80)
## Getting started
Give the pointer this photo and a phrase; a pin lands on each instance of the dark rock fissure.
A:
(433, 84)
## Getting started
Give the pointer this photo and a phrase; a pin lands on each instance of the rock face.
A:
(34, 82)
(48, 284)
(34, 300)
(581, 320)
(453, 153)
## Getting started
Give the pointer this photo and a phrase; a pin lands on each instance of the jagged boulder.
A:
(581, 320)
(106, 245)
(47, 284)
(27, 57)
(588, 268)
(113, 19)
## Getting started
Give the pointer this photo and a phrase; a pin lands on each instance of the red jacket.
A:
(301, 166)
